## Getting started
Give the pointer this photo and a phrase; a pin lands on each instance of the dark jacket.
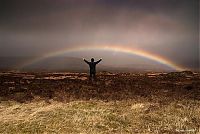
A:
(92, 65)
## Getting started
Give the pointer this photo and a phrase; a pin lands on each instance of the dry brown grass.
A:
(95, 116)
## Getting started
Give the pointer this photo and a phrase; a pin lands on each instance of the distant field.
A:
(115, 103)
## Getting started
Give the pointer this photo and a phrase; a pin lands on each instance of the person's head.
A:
(92, 60)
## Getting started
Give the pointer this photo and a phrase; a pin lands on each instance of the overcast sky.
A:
(169, 28)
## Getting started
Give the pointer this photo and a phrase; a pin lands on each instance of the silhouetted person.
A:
(92, 66)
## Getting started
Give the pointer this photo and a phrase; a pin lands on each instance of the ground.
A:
(36, 102)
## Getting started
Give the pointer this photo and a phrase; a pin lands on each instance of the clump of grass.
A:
(95, 116)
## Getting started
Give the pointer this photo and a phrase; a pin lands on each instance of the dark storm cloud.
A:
(166, 27)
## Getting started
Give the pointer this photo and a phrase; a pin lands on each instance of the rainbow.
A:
(137, 52)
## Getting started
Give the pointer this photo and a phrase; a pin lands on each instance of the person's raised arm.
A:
(99, 61)
(86, 61)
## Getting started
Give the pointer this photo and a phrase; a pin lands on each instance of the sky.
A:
(168, 28)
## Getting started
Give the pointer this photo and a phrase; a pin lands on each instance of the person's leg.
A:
(94, 76)
(90, 77)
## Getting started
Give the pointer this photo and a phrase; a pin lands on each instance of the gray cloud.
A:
(165, 27)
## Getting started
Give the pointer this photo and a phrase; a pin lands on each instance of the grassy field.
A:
(156, 112)
(93, 116)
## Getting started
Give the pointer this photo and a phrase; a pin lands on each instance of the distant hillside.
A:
(7, 63)
(49, 64)
(71, 64)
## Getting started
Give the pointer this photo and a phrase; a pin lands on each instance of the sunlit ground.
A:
(133, 116)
